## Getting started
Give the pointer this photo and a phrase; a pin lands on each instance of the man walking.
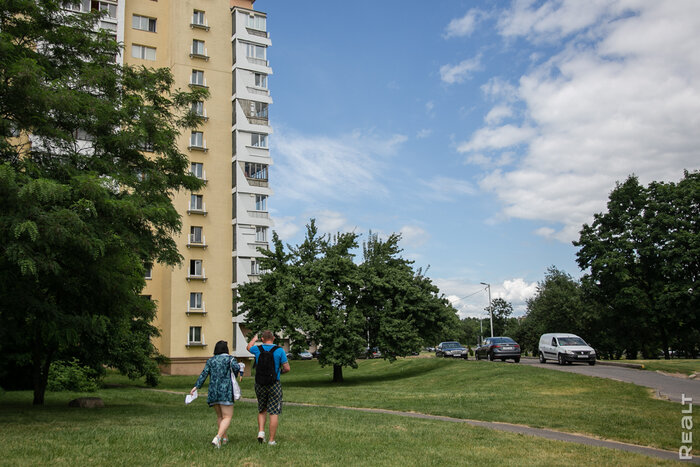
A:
(270, 362)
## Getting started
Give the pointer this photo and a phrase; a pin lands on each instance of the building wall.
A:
(224, 170)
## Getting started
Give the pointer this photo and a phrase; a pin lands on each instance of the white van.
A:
(565, 348)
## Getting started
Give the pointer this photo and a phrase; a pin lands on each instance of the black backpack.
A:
(265, 373)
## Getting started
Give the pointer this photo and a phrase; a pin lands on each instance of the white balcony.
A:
(200, 210)
(259, 214)
(197, 277)
(196, 311)
(196, 343)
(196, 241)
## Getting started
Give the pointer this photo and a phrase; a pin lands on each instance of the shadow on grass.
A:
(358, 380)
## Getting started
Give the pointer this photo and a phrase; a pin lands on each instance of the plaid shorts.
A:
(269, 398)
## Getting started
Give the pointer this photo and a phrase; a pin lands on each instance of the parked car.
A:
(370, 352)
(565, 349)
(498, 348)
(451, 349)
(305, 355)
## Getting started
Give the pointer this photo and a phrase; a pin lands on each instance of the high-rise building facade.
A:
(221, 45)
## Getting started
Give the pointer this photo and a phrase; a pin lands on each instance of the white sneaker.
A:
(216, 442)
(272, 443)
(261, 437)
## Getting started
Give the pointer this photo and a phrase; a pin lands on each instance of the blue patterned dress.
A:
(219, 369)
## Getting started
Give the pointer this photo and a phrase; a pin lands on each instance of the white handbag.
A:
(236, 388)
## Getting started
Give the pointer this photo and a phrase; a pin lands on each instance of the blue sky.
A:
(485, 132)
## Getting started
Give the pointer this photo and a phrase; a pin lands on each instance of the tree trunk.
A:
(40, 375)
(337, 374)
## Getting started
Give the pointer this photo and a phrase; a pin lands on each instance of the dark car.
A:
(451, 349)
(498, 348)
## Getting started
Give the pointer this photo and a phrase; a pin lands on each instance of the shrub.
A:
(71, 376)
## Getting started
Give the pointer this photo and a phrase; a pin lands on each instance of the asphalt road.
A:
(669, 387)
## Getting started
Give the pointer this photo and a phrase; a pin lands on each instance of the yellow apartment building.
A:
(221, 45)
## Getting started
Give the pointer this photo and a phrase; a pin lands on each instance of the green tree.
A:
(85, 210)
(402, 308)
(643, 257)
(501, 315)
(556, 307)
(317, 294)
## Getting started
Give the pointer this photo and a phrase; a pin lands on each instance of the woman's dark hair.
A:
(221, 347)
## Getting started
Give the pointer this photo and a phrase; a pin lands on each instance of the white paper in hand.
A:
(190, 397)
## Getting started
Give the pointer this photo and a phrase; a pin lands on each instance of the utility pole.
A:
(488, 286)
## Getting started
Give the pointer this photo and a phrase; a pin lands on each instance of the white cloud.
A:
(471, 299)
(554, 20)
(464, 26)
(451, 74)
(424, 133)
(620, 96)
(286, 227)
(498, 113)
(331, 222)
(310, 168)
(497, 138)
(413, 236)
(446, 188)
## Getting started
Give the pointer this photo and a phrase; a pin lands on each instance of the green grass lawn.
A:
(139, 427)
(491, 391)
(685, 366)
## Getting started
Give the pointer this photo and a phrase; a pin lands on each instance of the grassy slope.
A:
(146, 428)
(487, 391)
(684, 366)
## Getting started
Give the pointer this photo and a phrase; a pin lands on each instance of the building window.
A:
(196, 268)
(149, 273)
(258, 109)
(109, 7)
(261, 80)
(255, 51)
(143, 23)
(143, 52)
(197, 139)
(254, 267)
(261, 202)
(72, 6)
(197, 78)
(198, 18)
(198, 108)
(196, 300)
(197, 202)
(258, 140)
(197, 169)
(195, 335)
(256, 171)
(261, 234)
(257, 22)
(195, 234)
(198, 48)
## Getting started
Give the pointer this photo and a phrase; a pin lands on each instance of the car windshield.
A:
(451, 345)
(502, 340)
(571, 341)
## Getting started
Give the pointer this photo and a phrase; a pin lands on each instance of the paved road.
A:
(670, 387)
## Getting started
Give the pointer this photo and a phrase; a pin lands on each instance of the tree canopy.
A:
(316, 293)
(88, 164)
(643, 258)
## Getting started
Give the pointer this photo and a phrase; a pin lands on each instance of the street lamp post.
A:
(488, 286)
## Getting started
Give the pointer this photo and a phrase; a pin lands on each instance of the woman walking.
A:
(220, 368)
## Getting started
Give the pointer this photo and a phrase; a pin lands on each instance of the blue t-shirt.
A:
(280, 356)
